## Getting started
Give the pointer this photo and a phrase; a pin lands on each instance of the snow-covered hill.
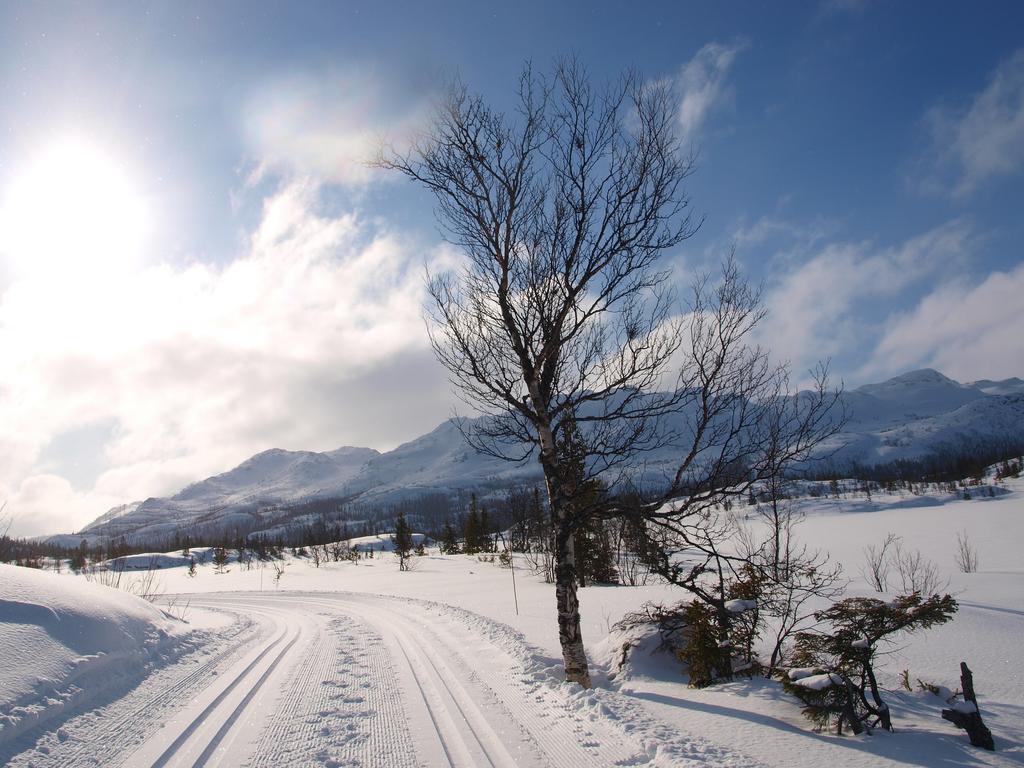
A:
(65, 640)
(920, 412)
(908, 416)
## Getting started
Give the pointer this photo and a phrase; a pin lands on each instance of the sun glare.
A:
(72, 208)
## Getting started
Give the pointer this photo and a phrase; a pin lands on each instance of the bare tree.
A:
(877, 563)
(966, 553)
(561, 210)
(918, 575)
(560, 314)
(278, 566)
(795, 578)
(744, 426)
(6, 544)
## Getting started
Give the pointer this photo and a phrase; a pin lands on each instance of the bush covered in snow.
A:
(834, 673)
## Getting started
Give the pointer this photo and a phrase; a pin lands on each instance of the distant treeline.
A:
(518, 512)
(948, 463)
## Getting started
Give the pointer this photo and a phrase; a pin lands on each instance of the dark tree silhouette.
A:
(560, 313)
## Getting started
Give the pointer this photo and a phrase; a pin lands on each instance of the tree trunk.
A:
(881, 708)
(567, 603)
(569, 635)
(849, 711)
(725, 670)
(965, 718)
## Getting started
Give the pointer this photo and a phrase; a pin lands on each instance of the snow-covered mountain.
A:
(923, 411)
(908, 416)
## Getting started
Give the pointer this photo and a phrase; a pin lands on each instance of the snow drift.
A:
(64, 639)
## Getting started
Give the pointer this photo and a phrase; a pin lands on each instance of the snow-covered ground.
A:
(360, 664)
(65, 641)
(380, 543)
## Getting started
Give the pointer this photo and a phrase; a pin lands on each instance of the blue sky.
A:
(195, 264)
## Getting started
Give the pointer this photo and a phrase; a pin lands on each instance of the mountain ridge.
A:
(903, 417)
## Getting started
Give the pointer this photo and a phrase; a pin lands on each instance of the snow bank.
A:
(63, 639)
(381, 542)
(634, 652)
(148, 561)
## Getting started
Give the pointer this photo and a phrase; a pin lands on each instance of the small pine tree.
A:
(595, 557)
(485, 541)
(220, 559)
(449, 543)
(745, 626)
(402, 540)
(700, 651)
(191, 566)
(845, 689)
(591, 543)
(538, 517)
(471, 529)
(241, 553)
(78, 562)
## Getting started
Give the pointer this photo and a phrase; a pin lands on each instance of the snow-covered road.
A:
(339, 679)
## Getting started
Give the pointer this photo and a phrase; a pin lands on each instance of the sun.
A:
(73, 208)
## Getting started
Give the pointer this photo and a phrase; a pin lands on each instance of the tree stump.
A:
(966, 714)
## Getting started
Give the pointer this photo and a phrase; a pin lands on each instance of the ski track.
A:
(206, 731)
(346, 679)
(342, 709)
(103, 736)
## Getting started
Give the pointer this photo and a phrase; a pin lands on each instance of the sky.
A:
(197, 264)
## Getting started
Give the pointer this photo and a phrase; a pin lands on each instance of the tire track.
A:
(556, 741)
(285, 736)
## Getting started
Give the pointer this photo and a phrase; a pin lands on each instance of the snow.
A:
(740, 606)
(798, 673)
(380, 542)
(819, 682)
(966, 707)
(446, 639)
(148, 560)
(59, 635)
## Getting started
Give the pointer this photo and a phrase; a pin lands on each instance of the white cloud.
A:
(47, 503)
(822, 307)
(786, 238)
(702, 84)
(966, 331)
(985, 139)
(330, 125)
(297, 344)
